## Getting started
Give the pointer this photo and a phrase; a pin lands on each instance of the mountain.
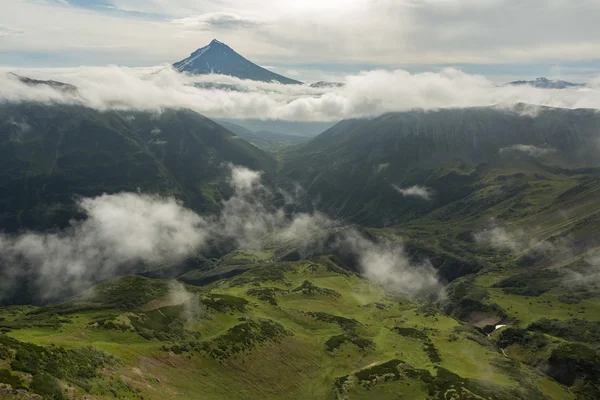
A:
(326, 85)
(60, 86)
(218, 58)
(50, 153)
(544, 83)
(359, 168)
(264, 139)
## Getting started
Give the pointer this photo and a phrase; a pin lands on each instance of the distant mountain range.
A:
(218, 58)
(545, 83)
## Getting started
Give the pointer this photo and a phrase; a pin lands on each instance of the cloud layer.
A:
(363, 95)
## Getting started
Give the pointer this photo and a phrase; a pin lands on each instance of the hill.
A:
(218, 58)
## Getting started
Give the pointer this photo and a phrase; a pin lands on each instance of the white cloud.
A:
(382, 167)
(243, 179)
(517, 240)
(386, 264)
(531, 150)
(363, 95)
(500, 238)
(415, 191)
(217, 20)
(121, 231)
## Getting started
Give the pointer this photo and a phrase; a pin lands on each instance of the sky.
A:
(312, 39)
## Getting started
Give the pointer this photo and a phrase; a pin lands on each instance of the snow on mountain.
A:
(218, 58)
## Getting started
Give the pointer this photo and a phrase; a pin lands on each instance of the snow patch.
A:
(193, 58)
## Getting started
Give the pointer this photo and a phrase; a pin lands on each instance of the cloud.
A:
(532, 250)
(364, 95)
(126, 232)
(243, 179)
(216, 21)
(500, 238)
(415, 191)
(533, 151)
(386, 264)
(382, 167)
(4, 32)
(122, 231)
(586, 276)
(22, 126)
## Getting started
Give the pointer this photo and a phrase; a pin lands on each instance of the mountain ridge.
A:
(545, 83)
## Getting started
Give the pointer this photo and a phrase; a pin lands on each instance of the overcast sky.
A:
(309, 39)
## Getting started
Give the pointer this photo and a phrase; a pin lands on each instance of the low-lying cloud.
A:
(533, 151)
(422, 192)
(501, 239)
(364, 95)
(386, 264)
(128, 232)
(532, 250)
(586, 276)
(122, 231)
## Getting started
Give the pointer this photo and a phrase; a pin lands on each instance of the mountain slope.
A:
(49, 154)
(359, 168)
(218, 58)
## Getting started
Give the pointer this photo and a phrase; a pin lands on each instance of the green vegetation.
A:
(309, 289)
(224, 303)
(244, 337)
(574, 330)
(531, 283)
(337, 341)
(41, 369)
